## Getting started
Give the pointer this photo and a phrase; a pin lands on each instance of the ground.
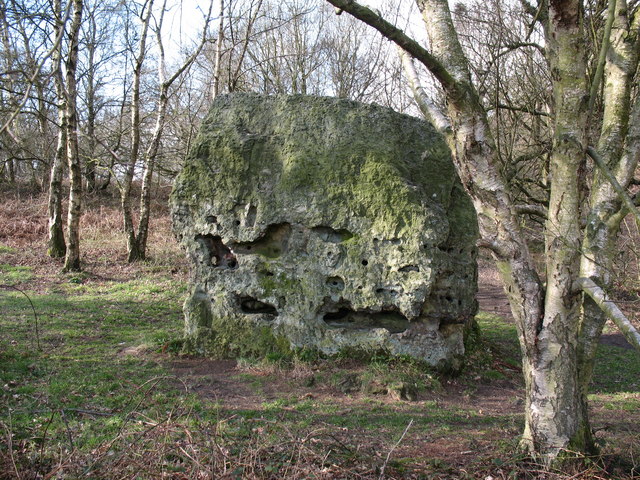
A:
(107, 394)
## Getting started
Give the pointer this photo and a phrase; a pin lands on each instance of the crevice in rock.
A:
(250, 221)
(409, 268)
(219, 255)
(272, 244)
(252, 305)
(392, 291)
(342, 315)
(331, 235)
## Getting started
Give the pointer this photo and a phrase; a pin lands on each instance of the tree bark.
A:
(133, 252)
(72, 259)
(161, 116)
(554, 385)
(619, 146)
(57, 247)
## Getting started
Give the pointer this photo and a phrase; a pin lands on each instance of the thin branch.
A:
(602, 58)
(384, 466)
(187, 63)
(598, 295)
(33, 77)
(35, 314)
(537, 210)
(393, 33)
(624, 196)
(530, 111)
(430, 111)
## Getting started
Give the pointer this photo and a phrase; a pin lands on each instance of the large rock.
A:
(324, 223)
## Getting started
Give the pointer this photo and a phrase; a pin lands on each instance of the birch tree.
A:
(72, 258)
(137, 241)
(56, 243)
(558, 326)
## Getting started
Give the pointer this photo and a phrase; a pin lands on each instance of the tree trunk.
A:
(133, 252)
(57, 247)
(217, 68)
(72, 260)
(154, 147)
(147, 176)
(554, 385)
(548, 319)
(619, 145)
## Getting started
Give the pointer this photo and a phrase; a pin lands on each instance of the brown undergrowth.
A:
(112, 400)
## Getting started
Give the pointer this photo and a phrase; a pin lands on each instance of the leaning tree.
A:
(559, 314)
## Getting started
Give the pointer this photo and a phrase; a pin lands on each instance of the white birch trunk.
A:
(72, 259)
(619, 146)
(133, 252)
(56, 244)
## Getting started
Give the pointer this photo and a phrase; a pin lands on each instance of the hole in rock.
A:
(237, 222)
(339, 315)
(271, 244)
(252, 305)
(250, 221)
(409, 268)
(211, 219)
(393, 291)
(220, 255)
(335, 282)
(365, 262)
(346, 317)
(331, 235)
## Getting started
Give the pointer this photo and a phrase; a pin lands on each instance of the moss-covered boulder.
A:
(328, 224)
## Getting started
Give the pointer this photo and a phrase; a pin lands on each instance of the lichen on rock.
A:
(328, 224)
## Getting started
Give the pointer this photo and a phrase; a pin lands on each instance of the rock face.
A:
(328, 224)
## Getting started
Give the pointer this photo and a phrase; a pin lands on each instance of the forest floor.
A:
(92, 384)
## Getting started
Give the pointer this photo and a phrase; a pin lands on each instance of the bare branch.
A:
(38, 68)
(598, 295)
(537, 210)
(624, 196)
(430, 111)
(530, 111)
(602, 58)
(397, 36)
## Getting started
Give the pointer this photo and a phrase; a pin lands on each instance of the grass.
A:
(106, 396)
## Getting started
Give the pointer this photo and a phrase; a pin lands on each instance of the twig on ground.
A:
(66, 424)
(10, 448)
(386, 461)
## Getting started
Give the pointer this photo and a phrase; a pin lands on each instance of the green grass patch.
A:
(616, 370)
(6, 249)
(83, 388)
(13, 275)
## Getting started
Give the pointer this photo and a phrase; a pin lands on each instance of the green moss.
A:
(234, 337)
(339, 158)
(279, 282)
